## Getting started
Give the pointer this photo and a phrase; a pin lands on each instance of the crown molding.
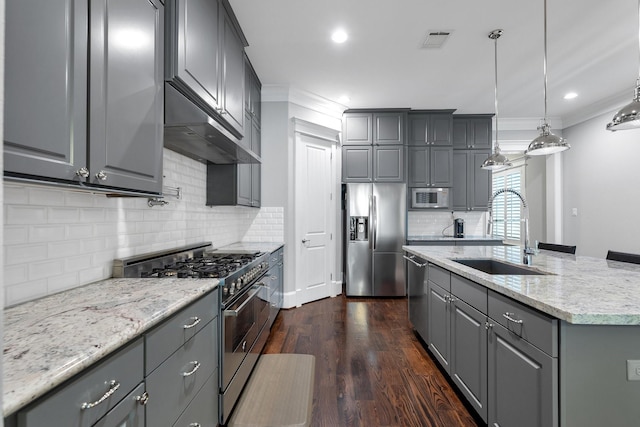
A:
(293, 95)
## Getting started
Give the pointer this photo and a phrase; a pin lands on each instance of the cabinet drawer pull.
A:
(194, 425)
(511, 319)
(143, 399)
(196, 366)
(195, 320)
(113, 386)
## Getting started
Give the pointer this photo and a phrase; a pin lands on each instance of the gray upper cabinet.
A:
(357, 129)
(374, 128)
(472, 131)
(232, 73)
(230, 185)
(194, 67)
(252, 110)
(373, 146)
(430, 128)
(357, 164)
(388, 163)
(430, 166)
(205, 58)
(389, 128)
(124, 147)
(54, 33)
(471, 184)
(126, 94)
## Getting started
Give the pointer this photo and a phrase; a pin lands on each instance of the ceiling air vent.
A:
(435, 39)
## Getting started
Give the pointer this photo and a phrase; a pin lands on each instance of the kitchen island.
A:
(546, 349)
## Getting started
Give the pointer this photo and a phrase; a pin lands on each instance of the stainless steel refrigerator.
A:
(375, 232)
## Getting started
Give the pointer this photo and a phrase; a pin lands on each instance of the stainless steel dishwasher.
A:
(418, 291)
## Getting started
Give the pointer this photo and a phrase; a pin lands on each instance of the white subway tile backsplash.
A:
(76, 235)
(46, 233)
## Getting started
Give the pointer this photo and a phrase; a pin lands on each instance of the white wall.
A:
(280, 105)
(57, 239)
(602, 181)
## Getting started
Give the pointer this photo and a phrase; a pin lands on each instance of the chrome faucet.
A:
(527, 251)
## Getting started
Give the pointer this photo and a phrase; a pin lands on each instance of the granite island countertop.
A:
(440, 238)
(579, 290)
(49, 340)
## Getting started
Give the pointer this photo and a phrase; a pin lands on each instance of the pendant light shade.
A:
(629, 116)
(496, 161)
(546, 142)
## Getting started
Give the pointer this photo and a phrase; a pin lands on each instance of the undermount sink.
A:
(493, 266)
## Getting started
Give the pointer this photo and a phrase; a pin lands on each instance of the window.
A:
(507, 207)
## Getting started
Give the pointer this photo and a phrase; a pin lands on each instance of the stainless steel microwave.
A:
(430, 198)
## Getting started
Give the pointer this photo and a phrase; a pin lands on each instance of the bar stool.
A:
(557, 248)
(623, 257)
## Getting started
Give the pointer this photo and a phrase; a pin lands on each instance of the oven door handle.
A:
(234, 313)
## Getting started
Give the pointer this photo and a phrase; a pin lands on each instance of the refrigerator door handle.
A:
(370, 222)
(375, 222)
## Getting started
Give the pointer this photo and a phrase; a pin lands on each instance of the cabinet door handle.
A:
(194, 425)
(196, 366)
(488, 325)
(102, 176)
(195, 321)
(511, 319)
(143, 399)
(83, 172)
(113, 386)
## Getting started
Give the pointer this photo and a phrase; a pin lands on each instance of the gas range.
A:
(236, 271)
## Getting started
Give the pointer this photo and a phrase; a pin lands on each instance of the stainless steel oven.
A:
(244, 334)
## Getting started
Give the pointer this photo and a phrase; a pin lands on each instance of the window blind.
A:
(507, 207)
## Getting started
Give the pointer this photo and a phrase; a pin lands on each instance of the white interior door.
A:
(315, 206)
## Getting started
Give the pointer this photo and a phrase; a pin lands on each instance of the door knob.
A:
(305, 240)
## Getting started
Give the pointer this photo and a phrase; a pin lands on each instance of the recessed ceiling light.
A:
(344, 99)
(571, 95)
(339, 36)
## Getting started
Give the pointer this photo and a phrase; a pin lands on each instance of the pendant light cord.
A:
(495, 44)
(544, 63)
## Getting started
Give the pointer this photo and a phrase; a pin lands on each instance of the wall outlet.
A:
(574, 211)
(633, 370)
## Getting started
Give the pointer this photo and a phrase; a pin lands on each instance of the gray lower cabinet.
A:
(275, 281)
(418, 295)
(128, 413)
(522, 382)
(471, 184)
(203, 409)
(430, 166)
(502, 355)
(181, 359)
(118, 377)
(121, 147)
(440, 325)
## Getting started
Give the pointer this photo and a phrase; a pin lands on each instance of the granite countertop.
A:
(580, 290)
(440, 238)
(49, 340)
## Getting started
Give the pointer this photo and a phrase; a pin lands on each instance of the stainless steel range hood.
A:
(190, 131)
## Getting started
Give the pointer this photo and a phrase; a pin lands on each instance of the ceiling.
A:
(592, 50)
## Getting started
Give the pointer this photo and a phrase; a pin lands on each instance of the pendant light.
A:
(629, 116)
(497, 160)
(546, 142)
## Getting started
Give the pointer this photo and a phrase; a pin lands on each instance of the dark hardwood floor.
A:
(371, 370)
